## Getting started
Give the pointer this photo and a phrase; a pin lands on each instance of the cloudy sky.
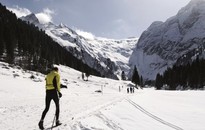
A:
(103, 18)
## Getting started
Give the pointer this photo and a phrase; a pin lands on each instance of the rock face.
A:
(179, 39)
(108, 56)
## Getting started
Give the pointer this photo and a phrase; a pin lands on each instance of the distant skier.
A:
(52, 92)
(128, 90)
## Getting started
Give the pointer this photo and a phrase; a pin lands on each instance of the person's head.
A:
(55, 69)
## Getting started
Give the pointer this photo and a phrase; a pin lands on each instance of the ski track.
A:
(23, 102)
(75, 123)
(153, 116)
(109, 122)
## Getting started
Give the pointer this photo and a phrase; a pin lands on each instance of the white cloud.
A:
(19, 11)
(84, 34)
(45, 16)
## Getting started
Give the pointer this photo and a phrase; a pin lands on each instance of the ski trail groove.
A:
(77, 117)
(108, 122)
(153, 116)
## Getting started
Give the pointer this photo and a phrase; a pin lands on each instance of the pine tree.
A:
(123, 77)
(135, 77)
(158, 82)
(1, 39)
(141, 81)
(24, 44)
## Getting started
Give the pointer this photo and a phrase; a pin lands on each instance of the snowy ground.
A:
(22, 103)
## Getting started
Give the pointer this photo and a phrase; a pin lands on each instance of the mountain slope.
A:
(163, 43)
(25, 45)
(108, 56)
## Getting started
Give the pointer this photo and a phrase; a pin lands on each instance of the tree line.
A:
(189, 76)
(23, 44)
(135, 78)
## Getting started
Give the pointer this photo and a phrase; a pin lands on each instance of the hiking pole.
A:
(53, 121)
(55, 117)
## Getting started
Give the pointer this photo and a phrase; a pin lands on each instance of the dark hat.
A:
(55, 68)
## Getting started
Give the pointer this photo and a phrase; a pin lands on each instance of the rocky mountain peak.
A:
(31, 18)
(163, 43)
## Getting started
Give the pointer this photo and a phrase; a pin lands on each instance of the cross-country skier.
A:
(52, 92)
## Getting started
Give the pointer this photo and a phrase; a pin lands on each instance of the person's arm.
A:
(55, 83)
(58, 82)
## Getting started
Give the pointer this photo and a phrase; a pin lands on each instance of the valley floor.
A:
(22, 103)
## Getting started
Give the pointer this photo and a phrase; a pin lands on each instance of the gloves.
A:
(60, 94)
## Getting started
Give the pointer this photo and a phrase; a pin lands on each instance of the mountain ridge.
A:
(163, 43)
(96, 53)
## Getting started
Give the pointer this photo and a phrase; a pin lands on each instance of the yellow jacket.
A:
(53, 78)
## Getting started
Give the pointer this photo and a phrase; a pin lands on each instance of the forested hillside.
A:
(189, 76)
(25, 45)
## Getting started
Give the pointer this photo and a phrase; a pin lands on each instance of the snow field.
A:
(23, 101)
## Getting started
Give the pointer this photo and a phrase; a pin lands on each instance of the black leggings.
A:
(51, 94)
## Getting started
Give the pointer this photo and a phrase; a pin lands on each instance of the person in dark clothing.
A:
(52, 93)
(128, 90)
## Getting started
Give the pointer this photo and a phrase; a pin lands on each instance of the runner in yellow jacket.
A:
(53, 81)
(52, 92)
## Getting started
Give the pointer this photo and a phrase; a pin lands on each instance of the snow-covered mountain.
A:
(108, 56)
(165, 43)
